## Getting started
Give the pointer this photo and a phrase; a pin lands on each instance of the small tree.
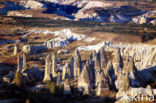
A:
(27, 101)
(18, 78)
(50, 86)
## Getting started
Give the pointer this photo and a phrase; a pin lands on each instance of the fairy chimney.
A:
(103, 84)
(109, 69)
(95, 60)
(91, 70)
(132, 69)
(103, 58)
(84, 80)
(66, 73)
(18, 75)
(117, 62)
(110, 75)
(47, 73)
(59, 78)
(24, 62)
(76, 63)
(15, 50)
(18, 62)
(125, 82)
(54, 65)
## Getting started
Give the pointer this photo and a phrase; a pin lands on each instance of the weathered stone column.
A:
(76, 63)
(103, 58)
(47, 73)
(24, 62)
(54, 65)
(15, 50)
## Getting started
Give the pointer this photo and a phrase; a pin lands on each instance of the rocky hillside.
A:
(83, 10)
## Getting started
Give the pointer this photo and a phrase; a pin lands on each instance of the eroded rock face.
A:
(84, 80)
(149, 60)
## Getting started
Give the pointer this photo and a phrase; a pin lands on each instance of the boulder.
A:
(9, 77)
